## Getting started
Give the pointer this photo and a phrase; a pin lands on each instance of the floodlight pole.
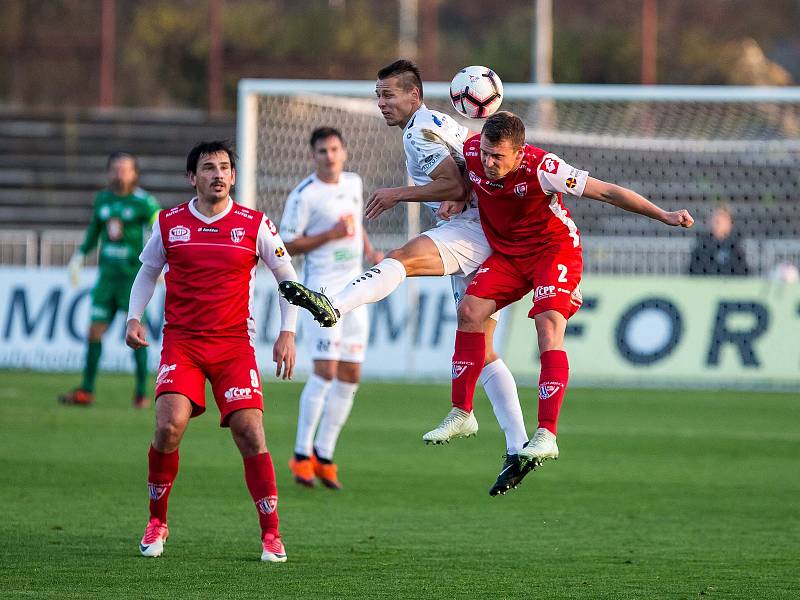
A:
(107, 46)
(542, 33)
(215, 57)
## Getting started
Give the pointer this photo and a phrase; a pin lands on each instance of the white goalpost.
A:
(694, 145)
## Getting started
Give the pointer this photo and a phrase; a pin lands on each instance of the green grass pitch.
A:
(658, 494)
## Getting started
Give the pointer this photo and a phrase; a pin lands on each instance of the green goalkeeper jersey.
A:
(118, 223)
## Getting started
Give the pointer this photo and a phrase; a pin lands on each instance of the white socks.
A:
(499, 384)
(371, 286)
(337, 409)
(311, 402)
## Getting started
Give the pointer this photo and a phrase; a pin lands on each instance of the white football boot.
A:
(458, 423)
(155, 535)
(273, 549)
(539, 448)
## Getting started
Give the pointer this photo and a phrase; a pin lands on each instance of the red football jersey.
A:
(211, 266)
(522, 213)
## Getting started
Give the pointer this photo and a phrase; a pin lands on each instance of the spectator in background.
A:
(120, 214)
(719, 252)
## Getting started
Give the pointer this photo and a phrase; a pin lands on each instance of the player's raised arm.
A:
(446, 185)
(629, 200)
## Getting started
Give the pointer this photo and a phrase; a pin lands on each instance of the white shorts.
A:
(346, 341)
(462, 245)
(463, 248)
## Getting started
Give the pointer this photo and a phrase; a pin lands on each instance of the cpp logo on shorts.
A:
(235, 394)
(237, 234)
(163, 372)
(267, 505)
(548, 388)
(544, 291)
(179, 234)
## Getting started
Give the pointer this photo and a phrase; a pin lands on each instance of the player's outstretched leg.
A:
(512, 473)
(317, 303)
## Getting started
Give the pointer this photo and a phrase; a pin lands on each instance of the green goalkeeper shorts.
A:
(110, 294)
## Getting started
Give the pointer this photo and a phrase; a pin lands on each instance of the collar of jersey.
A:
(208, 220)
(414, 116)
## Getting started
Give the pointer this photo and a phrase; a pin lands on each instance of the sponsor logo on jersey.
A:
(163, 373)
(550, 165)
(114, 229)
(175, 210)
(157, 490)
(429, 159)
(436, 120)
(548, 388)
(459, 367)
(237, 234)
(208, 230)
(243, 212)
(271, 226)
(543, 291)
(494, 184)
(236, 393)
(482, 270)
(571, 182)
(521, 189)
(179, 234)
(471, 153)
(279, 251)
(267, 505)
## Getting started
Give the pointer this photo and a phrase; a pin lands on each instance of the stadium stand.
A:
(52, 164)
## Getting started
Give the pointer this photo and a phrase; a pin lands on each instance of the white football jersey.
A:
(429, 138)
(313, 207)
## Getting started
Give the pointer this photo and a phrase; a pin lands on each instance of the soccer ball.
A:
(476, 92)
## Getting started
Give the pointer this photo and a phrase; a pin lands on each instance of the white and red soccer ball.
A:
(476, 92)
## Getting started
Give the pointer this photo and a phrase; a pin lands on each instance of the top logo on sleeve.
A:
(179, 234)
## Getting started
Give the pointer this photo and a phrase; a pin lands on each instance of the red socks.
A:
(260, 477)
(467, 366)
(162, 470)
(552, 386)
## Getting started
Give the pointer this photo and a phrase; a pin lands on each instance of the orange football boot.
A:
(303, 471)
(326, 473)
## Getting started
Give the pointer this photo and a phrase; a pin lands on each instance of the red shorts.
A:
(228, 363)
(553, 276)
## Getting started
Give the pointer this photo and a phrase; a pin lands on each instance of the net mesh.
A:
(740, 159)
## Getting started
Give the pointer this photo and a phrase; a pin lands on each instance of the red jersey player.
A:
(536, 247)
(210, 246)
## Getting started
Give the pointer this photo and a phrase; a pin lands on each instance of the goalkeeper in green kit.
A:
(118, 220)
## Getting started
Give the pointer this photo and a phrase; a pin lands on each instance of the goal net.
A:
(682, 147)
